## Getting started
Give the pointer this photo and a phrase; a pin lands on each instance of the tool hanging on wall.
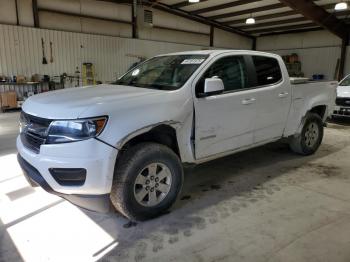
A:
(43, 49)
(51, 57)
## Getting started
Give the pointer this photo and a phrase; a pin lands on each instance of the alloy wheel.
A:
(152, 184)
(311, 135)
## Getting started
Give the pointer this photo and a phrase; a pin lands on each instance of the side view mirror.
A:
(213, 86)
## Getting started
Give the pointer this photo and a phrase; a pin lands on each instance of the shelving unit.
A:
(294, 69)
(11, 91)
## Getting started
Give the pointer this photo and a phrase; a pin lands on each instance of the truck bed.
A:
(309, 94)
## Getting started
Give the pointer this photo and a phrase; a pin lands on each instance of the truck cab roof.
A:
(216, 52)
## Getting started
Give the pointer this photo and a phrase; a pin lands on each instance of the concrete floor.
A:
(265, 204)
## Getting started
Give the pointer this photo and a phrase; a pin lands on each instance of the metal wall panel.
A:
(319, 51)
(20, 52)
(226, 39)
(320, 38)
(322, 60)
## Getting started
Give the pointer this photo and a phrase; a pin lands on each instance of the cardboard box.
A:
(36, 78)
(21, 79)
(9, 100)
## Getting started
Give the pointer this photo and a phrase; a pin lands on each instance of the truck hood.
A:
(72, 103)
(343, 91)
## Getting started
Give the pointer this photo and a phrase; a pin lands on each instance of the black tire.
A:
(300, 143)
(128, 168)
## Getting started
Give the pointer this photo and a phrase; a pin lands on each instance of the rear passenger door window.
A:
(267, 69)
(231, 70)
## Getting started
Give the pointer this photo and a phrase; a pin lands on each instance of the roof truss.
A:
(273, 16)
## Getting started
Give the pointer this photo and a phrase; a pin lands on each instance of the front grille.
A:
(342, 112)
(33, 133)
(32, 142)
(343, 101)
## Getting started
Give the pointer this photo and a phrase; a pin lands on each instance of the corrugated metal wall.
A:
(322, 60)
(112, 19)
(319, 51)
(20, 52)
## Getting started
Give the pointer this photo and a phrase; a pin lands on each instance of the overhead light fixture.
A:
(341, 6)
(250, 21)
(193, 1)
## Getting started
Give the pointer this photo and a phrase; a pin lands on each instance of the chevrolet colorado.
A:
(124, 143)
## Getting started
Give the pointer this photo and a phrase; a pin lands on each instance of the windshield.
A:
(346, 81)
(163, 72)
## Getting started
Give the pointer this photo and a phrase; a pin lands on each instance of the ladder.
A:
(88, 74)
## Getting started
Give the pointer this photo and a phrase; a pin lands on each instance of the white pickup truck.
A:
(125, 143)
(342, 108)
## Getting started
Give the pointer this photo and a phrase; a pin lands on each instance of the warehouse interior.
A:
(264, 204)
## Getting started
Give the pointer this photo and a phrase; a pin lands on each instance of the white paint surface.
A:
(224, 123)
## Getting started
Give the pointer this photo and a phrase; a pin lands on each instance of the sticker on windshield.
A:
(192, 61)
(135, 72)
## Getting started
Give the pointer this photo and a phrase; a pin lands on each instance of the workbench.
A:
(12, 86)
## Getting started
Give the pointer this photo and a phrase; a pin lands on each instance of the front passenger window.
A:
(231, 70)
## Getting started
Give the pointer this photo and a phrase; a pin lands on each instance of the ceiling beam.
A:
(261, 17)
(248, 11)
(223, 6)
(284, 21)
(117, 1)
(319, 15)
(185, 3)
(295, 31)
(279, 22)
(283, 28)
(196, 18)
(172, 9)
(277, 15)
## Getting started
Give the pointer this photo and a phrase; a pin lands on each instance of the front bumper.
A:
(341, 111)
(97, 158)
(98, 203)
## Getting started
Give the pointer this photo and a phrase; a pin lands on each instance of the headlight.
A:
(63, 131)
(22, 122)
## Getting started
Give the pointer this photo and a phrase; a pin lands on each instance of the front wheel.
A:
(147, 180)
(311, 136)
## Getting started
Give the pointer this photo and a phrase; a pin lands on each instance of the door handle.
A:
(283, 95)
(248, 101)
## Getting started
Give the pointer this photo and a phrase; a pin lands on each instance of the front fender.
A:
(129, 121)
(144, 130)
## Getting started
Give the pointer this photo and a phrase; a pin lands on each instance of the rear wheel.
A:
(311, 136)
(147, 180)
